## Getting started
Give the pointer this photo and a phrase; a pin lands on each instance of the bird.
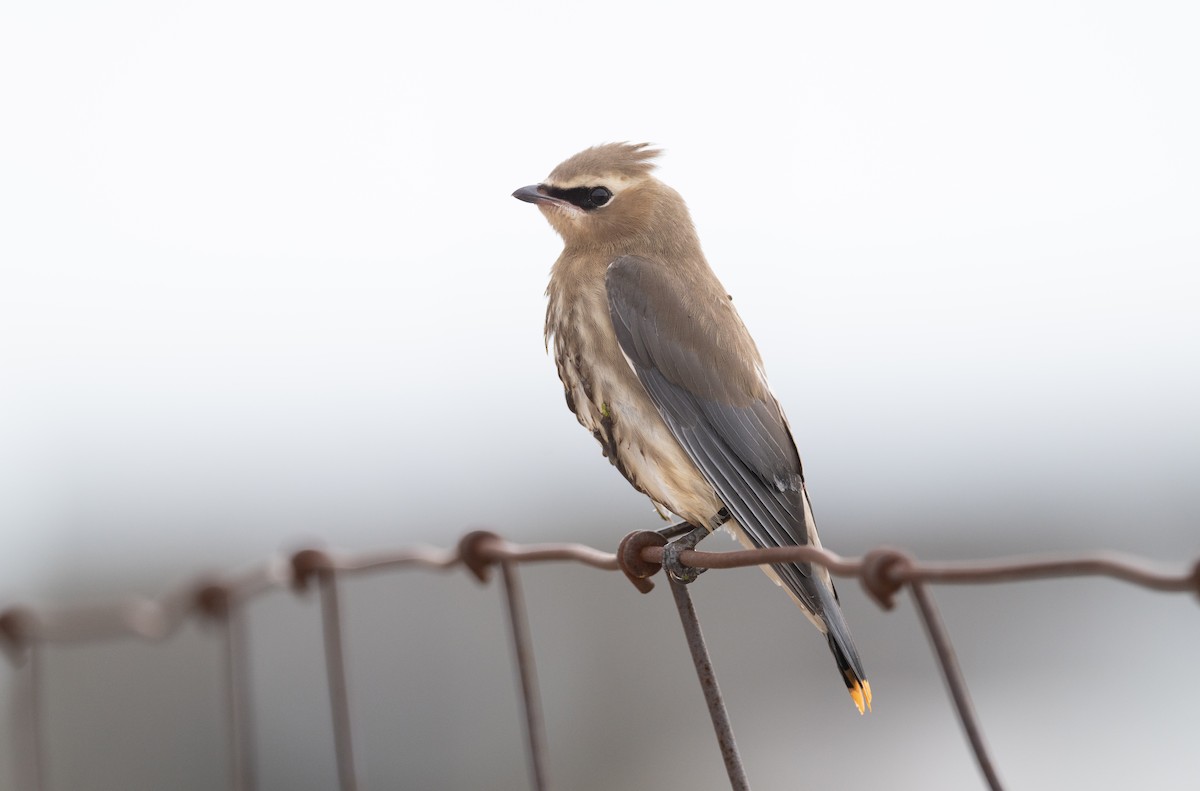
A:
(656, 363)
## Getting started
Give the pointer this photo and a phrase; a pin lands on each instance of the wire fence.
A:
(26, 633)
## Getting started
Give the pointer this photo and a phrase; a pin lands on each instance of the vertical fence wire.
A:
(531, 700)
(239, 709)
(335, 669)
(708, 683)
(935, 628)
(29, 767)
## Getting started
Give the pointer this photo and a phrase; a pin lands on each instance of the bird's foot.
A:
(671, 552)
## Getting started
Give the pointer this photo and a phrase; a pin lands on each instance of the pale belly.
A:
(609, 401)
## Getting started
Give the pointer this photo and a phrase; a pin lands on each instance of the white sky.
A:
(261, 276)
(241, 239)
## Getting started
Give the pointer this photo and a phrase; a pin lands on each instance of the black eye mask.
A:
(586, 198)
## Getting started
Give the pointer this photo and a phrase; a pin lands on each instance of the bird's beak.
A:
(530, 194)
(533, 194)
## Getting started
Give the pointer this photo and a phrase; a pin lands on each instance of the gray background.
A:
(262, 283)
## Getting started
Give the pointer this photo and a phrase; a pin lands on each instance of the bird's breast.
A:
(610, 402)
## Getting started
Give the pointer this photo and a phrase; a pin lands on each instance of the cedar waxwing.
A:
(657, 364)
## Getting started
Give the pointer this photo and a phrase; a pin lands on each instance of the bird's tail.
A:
(842, 647)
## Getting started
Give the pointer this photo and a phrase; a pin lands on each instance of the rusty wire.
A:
(26, 632)
(305, 565)
(28, 755)
(708, 684)
(215, 601)
(523, 651)
(939, 638)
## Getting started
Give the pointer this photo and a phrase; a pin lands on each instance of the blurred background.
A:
(262, 285)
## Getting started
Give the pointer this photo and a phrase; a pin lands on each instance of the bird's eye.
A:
(600, 196)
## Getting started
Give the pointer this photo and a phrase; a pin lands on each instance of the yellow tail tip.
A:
(861, 692)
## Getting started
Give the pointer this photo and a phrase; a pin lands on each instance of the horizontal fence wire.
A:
(27, 632)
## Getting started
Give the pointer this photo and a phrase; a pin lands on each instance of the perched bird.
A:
(657, 364)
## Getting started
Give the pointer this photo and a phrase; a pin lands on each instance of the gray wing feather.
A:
(717, 407)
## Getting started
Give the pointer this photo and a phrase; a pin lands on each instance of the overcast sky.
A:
(262, 279)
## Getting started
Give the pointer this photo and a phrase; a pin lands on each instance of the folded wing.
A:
(700, 367)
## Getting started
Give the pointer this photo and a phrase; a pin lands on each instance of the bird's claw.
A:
(672, 565)
(686, 536)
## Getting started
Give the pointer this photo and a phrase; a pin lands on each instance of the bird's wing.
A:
(699, 366)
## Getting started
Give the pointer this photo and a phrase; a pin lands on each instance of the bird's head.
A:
(606, 197)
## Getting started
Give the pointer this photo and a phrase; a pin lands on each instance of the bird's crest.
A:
(630, 160)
